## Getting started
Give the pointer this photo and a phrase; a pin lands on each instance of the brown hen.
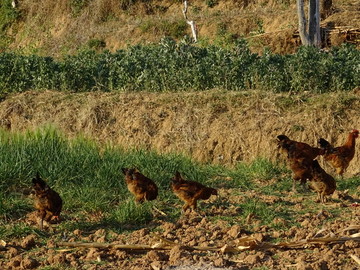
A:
(323, 183)
(340, 157)
(143, 188)
(299, 164)
(47, 201)
(190, 191)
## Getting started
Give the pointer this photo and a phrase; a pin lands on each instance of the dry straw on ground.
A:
(244, 243)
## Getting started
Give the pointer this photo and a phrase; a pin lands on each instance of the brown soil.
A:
(205, 229)
(213, 126)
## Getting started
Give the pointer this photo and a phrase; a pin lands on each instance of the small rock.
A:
(12, 252)
(305, 223)
(28, 242)
(77, 232)
(92, 254)
(100, 232)
(176, 253)
(259, 236)
(154, 255)
(29, 263)
(51, 243)
(57, 259)
(220, 262)
(252, 259)
(156, 265)
(101, 239)
(234, 231)
(15, 262)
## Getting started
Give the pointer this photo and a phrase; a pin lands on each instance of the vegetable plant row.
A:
(172, 66)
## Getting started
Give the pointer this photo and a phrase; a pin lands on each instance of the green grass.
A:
(128, 211)
(89, 179)
(19, 230)
(87, 176)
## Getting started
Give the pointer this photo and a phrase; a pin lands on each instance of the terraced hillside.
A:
(68, 26)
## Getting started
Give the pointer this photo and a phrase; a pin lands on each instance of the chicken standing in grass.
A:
(301, 168)
(47, 201)
(190, 191)
(340, 157)
(299, 157)
(143, 188)
(323, 183)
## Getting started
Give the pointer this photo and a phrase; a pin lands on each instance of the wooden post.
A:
(314, 23)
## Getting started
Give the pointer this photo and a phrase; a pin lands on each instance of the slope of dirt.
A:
(218, 228)
(66, 26)
(215, 126)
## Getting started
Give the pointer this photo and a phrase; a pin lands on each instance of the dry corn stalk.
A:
(355, 258)
(245, 243)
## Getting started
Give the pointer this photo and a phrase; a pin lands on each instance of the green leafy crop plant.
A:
(182, 66)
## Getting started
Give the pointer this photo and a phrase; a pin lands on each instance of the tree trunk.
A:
(314, 23)
(309, 30)
(304, 36)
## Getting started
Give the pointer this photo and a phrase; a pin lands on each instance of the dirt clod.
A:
(234, 231)
(28, 242)
(29, 263)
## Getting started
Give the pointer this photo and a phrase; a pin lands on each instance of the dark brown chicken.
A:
(302, 149)
(143, 188)
(190, 191)
(47, 201)
(340, 157)
(299, 164)
(323, 183)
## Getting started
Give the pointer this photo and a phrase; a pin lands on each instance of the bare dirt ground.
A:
(216, 226)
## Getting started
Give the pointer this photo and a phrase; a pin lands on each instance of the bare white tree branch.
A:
(14, 3)
(189, 22)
